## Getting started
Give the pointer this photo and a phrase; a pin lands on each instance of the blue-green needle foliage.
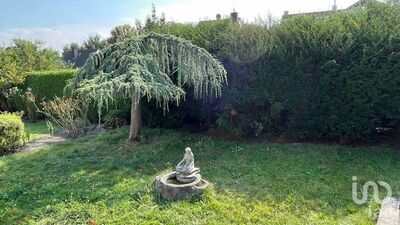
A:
(153, 66)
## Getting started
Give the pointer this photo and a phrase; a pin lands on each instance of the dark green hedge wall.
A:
(333, 77)
(336, 77)
(47, 84)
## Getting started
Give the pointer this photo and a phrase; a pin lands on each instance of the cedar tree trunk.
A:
(136, 122)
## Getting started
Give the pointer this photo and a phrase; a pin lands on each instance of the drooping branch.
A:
(142, 67)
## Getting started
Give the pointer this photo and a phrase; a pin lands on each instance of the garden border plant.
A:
(12, 132)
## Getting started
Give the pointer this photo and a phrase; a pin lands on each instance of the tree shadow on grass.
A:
(100, 168)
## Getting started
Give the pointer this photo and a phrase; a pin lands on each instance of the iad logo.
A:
(365, 187)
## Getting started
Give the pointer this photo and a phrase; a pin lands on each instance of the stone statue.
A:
(186, 181)
(187, 163)
(186, 172)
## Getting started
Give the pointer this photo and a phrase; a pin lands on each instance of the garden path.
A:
(41, 142)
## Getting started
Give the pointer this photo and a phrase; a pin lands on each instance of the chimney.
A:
(74, 51)
(218, 16)
(234, 16)
(285, 14)
(334, 7)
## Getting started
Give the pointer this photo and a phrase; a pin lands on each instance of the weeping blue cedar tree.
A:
(151, 66)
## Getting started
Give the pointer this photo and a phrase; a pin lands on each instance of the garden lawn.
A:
(38, 130)
(101, 180)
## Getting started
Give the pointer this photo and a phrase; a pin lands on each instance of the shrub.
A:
(335, 76)
(244, 43)
(12, 132)
(206, 34)
(67, 113)
(44, 86)
(48, 84)
(242, 46)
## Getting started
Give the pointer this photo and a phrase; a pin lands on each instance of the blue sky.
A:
(51, 13)
(59, 22)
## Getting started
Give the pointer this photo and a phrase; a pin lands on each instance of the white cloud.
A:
(56, 37)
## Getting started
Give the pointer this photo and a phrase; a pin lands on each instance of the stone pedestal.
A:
(168, 187)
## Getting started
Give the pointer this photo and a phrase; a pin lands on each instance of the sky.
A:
(59, 22)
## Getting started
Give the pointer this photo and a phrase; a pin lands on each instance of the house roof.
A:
(357, 4)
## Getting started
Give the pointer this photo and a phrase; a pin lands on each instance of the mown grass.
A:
(37, 130)
(100, 180)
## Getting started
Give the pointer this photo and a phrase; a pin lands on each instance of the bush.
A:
(67, 113)
(12, 132)
(44, 86)
(48, 84)
(334, 77)
(206, 34)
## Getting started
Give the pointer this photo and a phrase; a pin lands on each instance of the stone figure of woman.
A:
(187, 163)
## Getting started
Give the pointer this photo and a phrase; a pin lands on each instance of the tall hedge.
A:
(332, 77)
(335, 77)
(47, 84)
(44, 85)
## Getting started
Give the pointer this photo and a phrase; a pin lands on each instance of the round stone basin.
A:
(168, 187)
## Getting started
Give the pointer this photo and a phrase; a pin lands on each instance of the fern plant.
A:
(150, 66)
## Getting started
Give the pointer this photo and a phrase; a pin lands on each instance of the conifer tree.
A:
(150, 66)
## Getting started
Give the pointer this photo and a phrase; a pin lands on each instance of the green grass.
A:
(99, 180)
(38, 130)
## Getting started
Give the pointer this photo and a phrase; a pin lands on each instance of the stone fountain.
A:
(185, 182)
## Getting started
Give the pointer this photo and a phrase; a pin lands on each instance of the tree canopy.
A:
(121, 33)
(153, 66)
(95, 42)
(17, 60)
(22, 57)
